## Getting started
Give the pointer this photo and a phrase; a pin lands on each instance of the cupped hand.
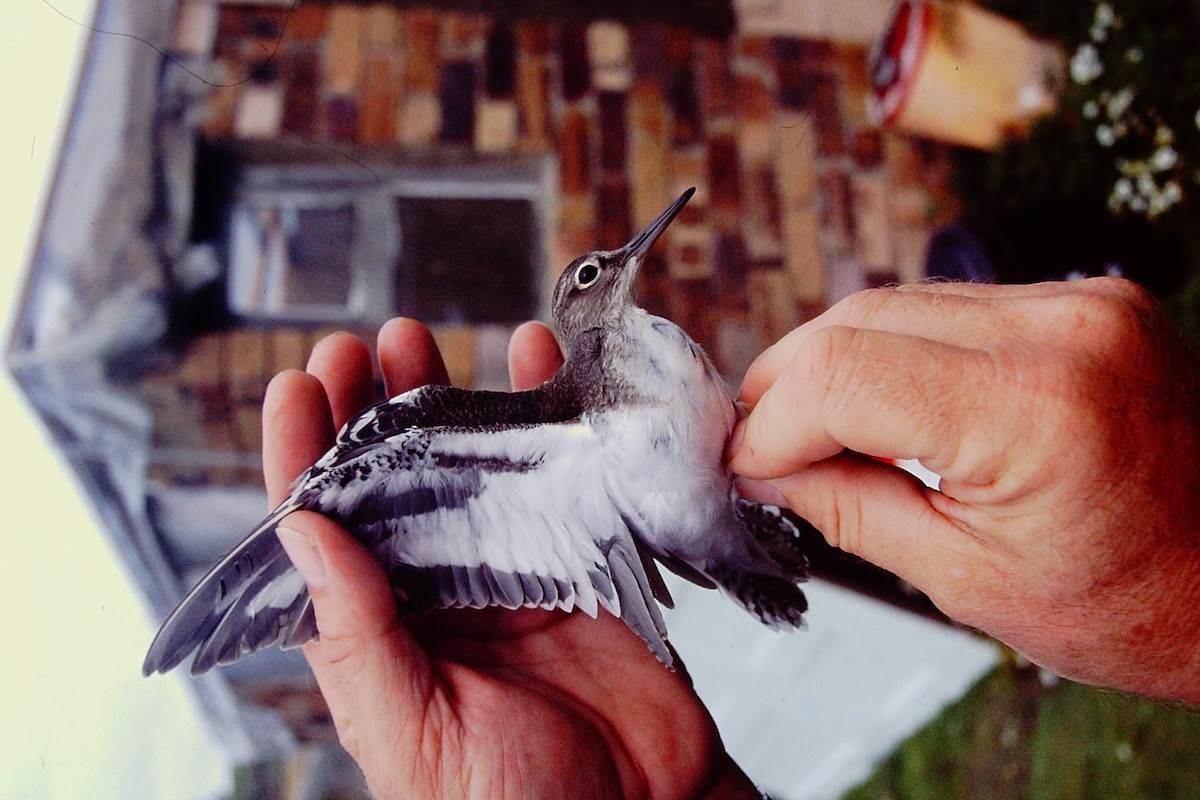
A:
(489, 703)
(1064, 421)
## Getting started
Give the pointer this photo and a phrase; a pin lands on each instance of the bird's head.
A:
(596, 288)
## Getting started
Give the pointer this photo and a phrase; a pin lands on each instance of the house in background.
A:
(240, 179)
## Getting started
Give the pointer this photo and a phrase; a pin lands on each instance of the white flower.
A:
(1159, 204)
(1102, 22)
(1122, 191)
(1085, 64)
(1173, 192)
(1091, 110)
(1164, 158)
(1145, 184)
(1105, 136)
(1119, 103)
(1130, 169)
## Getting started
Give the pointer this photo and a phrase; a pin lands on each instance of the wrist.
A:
(1156, 651)
(1171, 640)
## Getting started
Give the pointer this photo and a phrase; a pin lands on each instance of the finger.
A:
(888, 517)
(533, 355)
(297, 429)
(882, 394)
(342, 363)
(942, 312)
(409, 356)
(375, 679)
(962, 314)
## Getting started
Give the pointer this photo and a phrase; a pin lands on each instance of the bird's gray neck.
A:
(582, 373)
(597, 366)
(636, 359)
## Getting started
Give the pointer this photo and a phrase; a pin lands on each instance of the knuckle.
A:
(833, 371)
(827, 363)
(1122, 289)
(1109, 319)
(863, 306)
(837, 511)
(843, 523)
(1034, 396)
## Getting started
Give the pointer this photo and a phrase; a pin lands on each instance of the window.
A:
(466, 260)
(447, 243)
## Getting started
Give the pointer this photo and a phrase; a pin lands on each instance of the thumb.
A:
(883, 514)
(372, 674)
(779, 436)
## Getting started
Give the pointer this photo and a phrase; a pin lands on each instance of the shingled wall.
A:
(799, 199)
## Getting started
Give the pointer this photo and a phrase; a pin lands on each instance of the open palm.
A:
(473, 703)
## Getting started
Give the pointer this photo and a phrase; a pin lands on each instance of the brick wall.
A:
(799, 199)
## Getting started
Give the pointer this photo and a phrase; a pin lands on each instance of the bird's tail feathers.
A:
(777, 602)
(777, 535)
(252, 598)
(763, 576)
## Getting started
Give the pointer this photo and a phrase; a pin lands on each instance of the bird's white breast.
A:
(669, 447)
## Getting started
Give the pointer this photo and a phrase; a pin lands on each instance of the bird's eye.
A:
(586, 275)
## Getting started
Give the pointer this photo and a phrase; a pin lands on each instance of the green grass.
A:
(1012, 738)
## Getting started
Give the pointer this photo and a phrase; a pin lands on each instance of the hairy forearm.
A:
(1161, 631)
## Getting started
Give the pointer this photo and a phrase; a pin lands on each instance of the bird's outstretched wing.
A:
(488, 505)
(250, 599)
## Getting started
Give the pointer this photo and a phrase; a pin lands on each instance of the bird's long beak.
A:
(631, 256)
(639, 245)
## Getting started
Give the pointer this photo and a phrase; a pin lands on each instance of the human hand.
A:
(489, 703)
(1064, 421)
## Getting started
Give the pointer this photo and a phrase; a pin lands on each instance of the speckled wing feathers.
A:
(503, 513)
(198, 623)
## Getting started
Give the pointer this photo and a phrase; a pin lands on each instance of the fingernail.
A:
(760, 492)
(305, 556)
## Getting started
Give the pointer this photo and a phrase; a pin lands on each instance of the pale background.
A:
(76, 717)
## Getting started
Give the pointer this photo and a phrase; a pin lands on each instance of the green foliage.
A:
(1047, 20)
(1011, 738)
(1091, 743)
(1113, 175)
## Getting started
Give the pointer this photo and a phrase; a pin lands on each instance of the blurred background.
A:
(199, 192)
